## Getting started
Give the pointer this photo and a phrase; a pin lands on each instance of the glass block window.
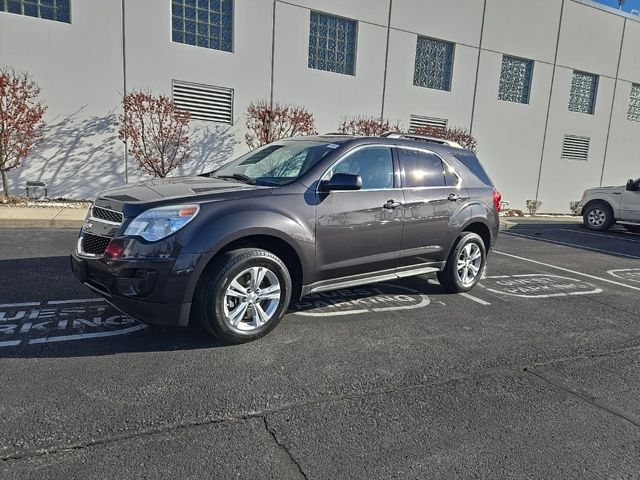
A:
(332, 43)
(583, 92)
(634, 103)
(434, 63)
(204, 23)
(515, 79)
(57, 10)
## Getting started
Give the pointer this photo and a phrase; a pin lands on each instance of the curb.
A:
(17, 217)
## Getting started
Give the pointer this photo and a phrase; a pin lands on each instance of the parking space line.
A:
(82, 336)
(632, 240)
(10, 343)
(474, 299)
(77, 300)
(568, 270)
(12, 305)
(566, 244)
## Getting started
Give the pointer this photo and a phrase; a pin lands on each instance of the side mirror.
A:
(631, 185)
(342, 181)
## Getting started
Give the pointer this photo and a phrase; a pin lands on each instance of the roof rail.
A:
(423, 138)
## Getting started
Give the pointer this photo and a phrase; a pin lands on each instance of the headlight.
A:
(158, 223)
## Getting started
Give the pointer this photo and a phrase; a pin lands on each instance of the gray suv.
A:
(233, 248)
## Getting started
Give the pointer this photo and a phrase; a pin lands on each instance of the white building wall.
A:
(80, 69)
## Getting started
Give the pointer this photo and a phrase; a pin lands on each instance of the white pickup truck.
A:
(601, 207)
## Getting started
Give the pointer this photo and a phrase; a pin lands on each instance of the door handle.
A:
(391, 204)
(453, 197)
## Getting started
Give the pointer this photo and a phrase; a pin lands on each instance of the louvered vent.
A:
(204, 102)
(575, 148)
(417, 121)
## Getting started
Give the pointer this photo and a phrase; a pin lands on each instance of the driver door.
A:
(630, 207)
(360, 232)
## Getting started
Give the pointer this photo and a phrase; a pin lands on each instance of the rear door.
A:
(630, 207)
(359, 232)
(433, 193)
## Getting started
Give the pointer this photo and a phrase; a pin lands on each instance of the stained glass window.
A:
(634, 103)
(332, 43)
(583, 92)
(515, 79)
(434, 62)
(57, 10)
(204, 23)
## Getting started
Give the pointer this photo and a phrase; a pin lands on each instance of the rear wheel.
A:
(633, 228)
(243, 295)
(465, 264)
(598, 216)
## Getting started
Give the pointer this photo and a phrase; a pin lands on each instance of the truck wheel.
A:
(598, 216)
(243, 295)
(465, 264)
(633, 228)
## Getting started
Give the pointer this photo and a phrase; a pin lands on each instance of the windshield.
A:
(277, 163)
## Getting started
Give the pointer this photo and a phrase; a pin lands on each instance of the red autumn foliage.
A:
(20, 120)
(366, 126)
(156, 132)
(270, 122)
(455, 134)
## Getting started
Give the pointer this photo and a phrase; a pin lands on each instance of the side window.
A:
(373, 164)
(421, 169)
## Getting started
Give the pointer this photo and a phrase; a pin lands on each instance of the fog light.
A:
(115, 249)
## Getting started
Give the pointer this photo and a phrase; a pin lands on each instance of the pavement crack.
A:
(271, 431)
(596, 402)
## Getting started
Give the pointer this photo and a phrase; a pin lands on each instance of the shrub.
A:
(268, 122)
(156, 132)
(366, 126)
(573, 206)
(454, 134)
(20, 120)
(533, 206)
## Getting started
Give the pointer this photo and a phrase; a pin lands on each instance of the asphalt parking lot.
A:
(534, 374)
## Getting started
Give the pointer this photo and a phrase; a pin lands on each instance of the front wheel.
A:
(465, 264)
(598, 216)
(243, 295)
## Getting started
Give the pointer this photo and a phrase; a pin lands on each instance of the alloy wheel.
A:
(596, 217)
(252, 298)
(469, 263)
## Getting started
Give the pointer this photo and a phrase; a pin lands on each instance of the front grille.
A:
(108, 215)
(94, 244)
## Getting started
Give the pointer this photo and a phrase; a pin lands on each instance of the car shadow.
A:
(616, 242)
(95, 329)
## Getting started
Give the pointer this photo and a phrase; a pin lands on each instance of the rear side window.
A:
(421, 169)
(473, 164)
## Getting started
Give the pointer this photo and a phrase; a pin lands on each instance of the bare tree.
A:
(20, 120)
(270, 122)
(156, 131)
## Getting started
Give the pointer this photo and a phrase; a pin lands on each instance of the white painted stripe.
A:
(474, 299)
(76, 300)
(11, 305)
(83, 336)
(10, 343)
(599, 250)
(567, 270)
(632, 240)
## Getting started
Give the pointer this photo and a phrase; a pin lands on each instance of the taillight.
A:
(497, 199)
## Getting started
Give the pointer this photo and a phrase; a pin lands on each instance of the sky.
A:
(628, 4)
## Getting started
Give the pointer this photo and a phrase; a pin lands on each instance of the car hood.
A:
(136, 197)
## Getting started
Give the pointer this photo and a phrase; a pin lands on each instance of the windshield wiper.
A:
(238, 176)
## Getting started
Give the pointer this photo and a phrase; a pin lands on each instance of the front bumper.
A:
(152, 290)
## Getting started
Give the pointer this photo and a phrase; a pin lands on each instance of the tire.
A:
(466, 247)
(598, 216)
(633, 228)
(227, 305)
